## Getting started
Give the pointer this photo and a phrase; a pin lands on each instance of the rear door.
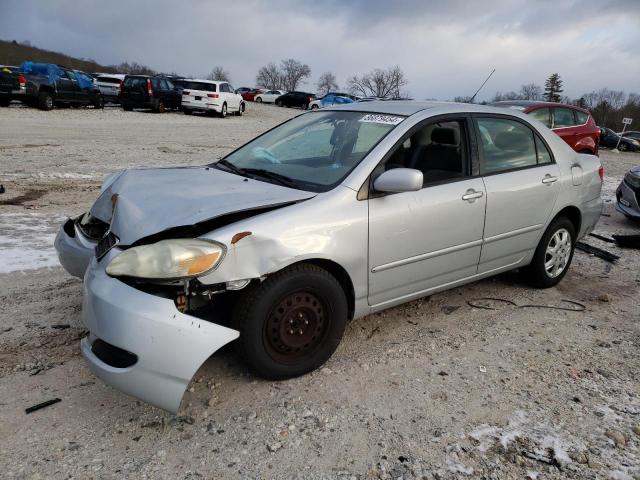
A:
(68, 88)
(564, 124)
(432, 237)
(521, 180)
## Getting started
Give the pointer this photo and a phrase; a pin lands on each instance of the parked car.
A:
(631, 134)
(242, 90)
(308, 226)
(331, 99)
(9, 68)
(295, 99)
(109, 85)
(573, 124)
(269, 96)
(211, 96)
(609, 139)
(251, 94)
(151, 92)
(46, 84)
(628, 194)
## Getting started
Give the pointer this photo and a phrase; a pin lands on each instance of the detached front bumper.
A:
(140, 343)
(628, 200)
(75, 251)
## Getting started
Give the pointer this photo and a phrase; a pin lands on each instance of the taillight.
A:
(212, 95)
(22, 81)
(120, 87)
(185, 92)
(149, 89)
(601, 172)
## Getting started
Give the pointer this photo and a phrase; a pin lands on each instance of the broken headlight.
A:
(632, 180)
(168, 259)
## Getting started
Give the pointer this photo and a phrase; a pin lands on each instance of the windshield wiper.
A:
(261, 172)
(230, 166)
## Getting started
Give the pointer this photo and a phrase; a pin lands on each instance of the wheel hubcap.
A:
(296, 326)
(558, 253)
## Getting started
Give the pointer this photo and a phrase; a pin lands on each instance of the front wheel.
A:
(622, 147)
(240, 109)
(98, 102)
(223, 111)
(553, 255)
(186, 111)
(259, 100)
(292, 322)
(314, 107)
(278, 103)
(160, 108)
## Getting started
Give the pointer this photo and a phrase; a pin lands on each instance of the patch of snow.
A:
(456, 467)
(71, 175)
(609, 187)
(26, 241)
(619, 475)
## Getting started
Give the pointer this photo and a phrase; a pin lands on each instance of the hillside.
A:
(13, 53)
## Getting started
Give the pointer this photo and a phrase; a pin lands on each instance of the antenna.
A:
(487, 79)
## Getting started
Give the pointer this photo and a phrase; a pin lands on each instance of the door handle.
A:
(548, 179)
(471, 195)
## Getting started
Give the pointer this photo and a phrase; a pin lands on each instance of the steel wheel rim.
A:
(296, 327)
(558, 252)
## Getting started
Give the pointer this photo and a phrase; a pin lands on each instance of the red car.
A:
(251, 94)
(573, 124)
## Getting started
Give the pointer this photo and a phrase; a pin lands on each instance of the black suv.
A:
(144, 91)
(295, 99)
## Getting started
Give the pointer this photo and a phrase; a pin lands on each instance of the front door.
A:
(432, 237)
(522, 183)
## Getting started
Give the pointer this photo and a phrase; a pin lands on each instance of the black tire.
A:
(223, 110)
(126, 107)
(98, 102)
(45, 101)
(536, 274)
(159, 108)
(623, 147)
(4, 102)
(278, 103)
(240, 109)
(258, 100)
(186, 111)
(303, 299)
(315, 107)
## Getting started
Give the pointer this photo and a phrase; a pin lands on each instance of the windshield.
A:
(314, 151)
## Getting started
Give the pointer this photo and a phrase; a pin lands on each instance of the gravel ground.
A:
(433, 389)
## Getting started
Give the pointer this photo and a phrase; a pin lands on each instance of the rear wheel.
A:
(292, 322)
(45, 101)
(279, 103)
(553, 255)
(159, 108)
(223, 111)
(127, 107)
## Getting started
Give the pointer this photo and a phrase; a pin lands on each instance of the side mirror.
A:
(399, 180)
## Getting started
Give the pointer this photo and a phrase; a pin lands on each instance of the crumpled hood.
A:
(152, 200)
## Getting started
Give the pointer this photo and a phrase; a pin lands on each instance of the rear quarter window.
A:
(563, 117)
(581, 117)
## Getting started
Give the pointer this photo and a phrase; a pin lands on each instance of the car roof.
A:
(535, 103)
(411, 107)
(213, 82)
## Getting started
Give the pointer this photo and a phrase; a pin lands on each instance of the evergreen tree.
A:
(553, 88)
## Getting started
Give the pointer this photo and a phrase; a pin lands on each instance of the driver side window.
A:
(438, 149)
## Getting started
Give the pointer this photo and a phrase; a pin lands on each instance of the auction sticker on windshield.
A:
(384, 119)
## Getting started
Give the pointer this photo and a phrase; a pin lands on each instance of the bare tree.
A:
(293, 73)
(269, 77)
(219, 73)
(378, 83)
(501, 97)
(326, 83)
(531, 91)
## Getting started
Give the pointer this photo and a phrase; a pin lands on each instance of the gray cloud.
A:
(445, 47)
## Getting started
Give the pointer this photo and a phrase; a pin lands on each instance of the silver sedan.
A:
(330, 216)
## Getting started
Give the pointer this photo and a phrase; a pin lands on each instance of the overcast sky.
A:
(446, 48)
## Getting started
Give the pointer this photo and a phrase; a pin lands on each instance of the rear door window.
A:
(581, 118)
(505, 145)
(563, 117)
(543, 115)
